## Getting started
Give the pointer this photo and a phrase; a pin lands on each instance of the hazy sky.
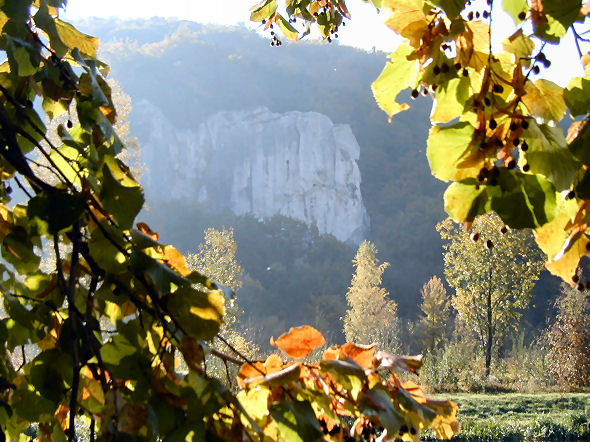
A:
(365, 30)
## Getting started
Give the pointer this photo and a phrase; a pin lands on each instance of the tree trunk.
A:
(489, 340)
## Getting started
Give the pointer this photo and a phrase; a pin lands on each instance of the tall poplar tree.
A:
(371, 317)
(436, 312)
(493, 270)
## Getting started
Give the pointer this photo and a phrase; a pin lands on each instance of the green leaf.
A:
(17, 249)
(464, 200)
(288, 31)
(264, 10)
(22, 57)
(561, 14)
(296, 421)
(400, 73)
(104, 252)
(123, 202)
(159, 276)
(30, 405)
(451, 7)
(577, 95)
(379, 404)
(450, 100)
(347, 373)
(549, 156)
(514, 8)
(45, 373)
(446, 148)
(523, 200)
(57, 208)
(200, 314)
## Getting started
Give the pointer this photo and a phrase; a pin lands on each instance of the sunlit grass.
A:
(543, 416)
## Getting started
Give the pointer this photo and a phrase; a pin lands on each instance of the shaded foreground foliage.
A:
(98, 334)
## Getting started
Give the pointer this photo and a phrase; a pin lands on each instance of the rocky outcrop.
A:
(297, 164)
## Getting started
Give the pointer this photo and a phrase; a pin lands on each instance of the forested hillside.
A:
(191, 71)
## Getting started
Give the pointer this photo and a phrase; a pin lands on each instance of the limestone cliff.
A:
(297, 164)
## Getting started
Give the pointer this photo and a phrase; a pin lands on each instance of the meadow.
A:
(515, 416)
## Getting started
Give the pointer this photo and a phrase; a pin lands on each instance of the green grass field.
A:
(512, 417)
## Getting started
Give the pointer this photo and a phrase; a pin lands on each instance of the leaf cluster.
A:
(108, 320)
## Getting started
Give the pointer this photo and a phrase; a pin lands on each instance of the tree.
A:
(493, 270)
(495, 134)
(216, 257)
(436, 310)
(122, 382)
(568, 340)
(371, 318)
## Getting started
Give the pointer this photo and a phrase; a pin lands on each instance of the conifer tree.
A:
(371, 317)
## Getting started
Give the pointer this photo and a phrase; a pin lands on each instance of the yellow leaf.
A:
(544, 99)
(407, 19)
(73, 38)
(473, 45)
(566, 266)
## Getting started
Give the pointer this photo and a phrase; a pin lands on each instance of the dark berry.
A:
(570, 195)
(516, 142)
(474, 236)
(525, 124)
(457, 66)
(486, 14)
(546, 63)
(487, 101)
(575, 278)
(489, 244)
(436, 70)
(263, 22)
(522, 15)
(413, 430)
(580, 287)
(8, 190)
(526, 167)
(470, 16)
(272, 32)
(424, 91)
(493, 182)
(493, 124)
(513, 126)
(524, 146)
(465, 73)
(403, 429)
(497, 88)
(511, 164)
(444, 68)
(536, 70)
(69, 124)
(477, 14)
(503, 230)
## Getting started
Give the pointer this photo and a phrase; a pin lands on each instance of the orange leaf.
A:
(361, 354)
(298, 342)
(248, 371)
(144, 228)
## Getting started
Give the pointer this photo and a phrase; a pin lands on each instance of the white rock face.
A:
(297, 164)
